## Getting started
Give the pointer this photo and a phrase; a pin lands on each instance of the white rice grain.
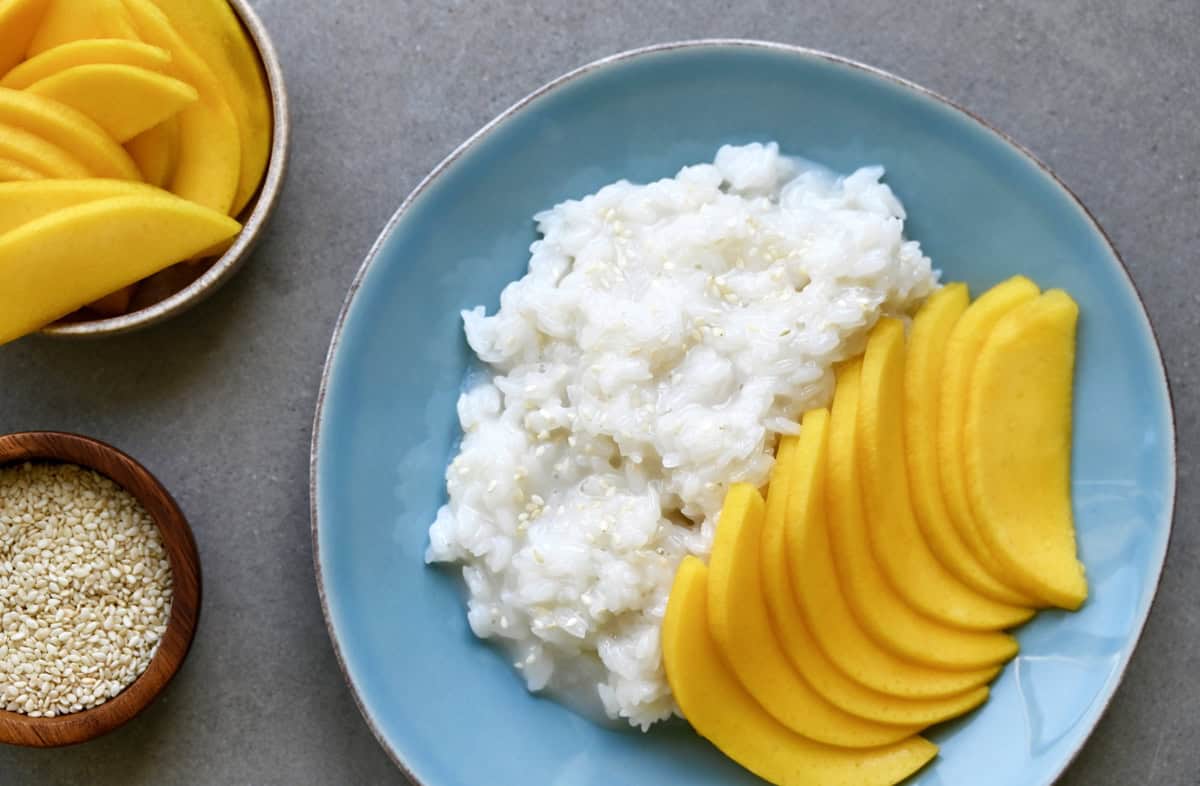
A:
(664, 336)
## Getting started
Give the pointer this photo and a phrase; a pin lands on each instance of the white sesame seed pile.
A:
(85, 589)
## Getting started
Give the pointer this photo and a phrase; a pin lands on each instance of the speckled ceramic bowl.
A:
(184, 285)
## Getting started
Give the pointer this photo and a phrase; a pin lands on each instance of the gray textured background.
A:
(219, 402)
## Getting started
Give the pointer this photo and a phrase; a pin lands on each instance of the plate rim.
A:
(717, 43)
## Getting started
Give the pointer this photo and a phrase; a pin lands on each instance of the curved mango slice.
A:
(73, 132)
(12, 172)
(741, 627)
(214, 32)
(95, 51)
(922, 404)
(58, 263)
(818, 590)
(210, 153)
(796, 475)
(75, 20)
(156, 152)
(19, 20)
(36, 153)
(123, 100)
(885, 616)
(962, 349)
(21, 203)
(721, 711)
(1018, 448)
(900, 548)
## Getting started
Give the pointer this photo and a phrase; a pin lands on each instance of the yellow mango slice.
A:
(156, 152)
(900, 548)
(75, 133)
(75, 20)
(214, 251)
(1018, 448)
(795, 475)
(962, 349)
(60, 262)
(92, 51)
(818, 590)
(210, 154)
(21, 203)
(12, 172)
(36, 153)
(721, 711)
(19, 20)
(894, 624)
(213, 30)
(123, 100)
(923, 372)
(742, 629)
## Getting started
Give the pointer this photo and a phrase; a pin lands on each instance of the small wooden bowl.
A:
(54, 447)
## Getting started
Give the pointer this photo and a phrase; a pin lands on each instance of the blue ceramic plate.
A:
(448, 708)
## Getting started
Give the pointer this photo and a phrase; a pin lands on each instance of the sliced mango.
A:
(58, 263)
(156, 152)
(123, 100)
(721, 710)
(1018, 448)
(74, 20)
(36, 153)
(795, 475)
(212, 29)
(93, 51)
(883, 614)
(19, 20)
(75, 133)
(214, 251)
(818, 590)
(741, 627)
(210, 156)
(21, 203)
(922, 404)
(12, 172)
(962, 349)
(900, 548)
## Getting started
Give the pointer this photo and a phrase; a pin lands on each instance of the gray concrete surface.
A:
(219, 402)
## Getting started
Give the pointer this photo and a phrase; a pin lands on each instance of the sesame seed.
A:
(85, 589)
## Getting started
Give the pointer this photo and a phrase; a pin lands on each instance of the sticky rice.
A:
(663, 338)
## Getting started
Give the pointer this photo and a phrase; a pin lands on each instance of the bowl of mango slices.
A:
(143, 145)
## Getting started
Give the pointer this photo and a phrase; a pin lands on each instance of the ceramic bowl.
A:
(183, 286)
(450, 709)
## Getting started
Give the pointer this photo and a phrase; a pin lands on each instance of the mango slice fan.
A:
(904, 530)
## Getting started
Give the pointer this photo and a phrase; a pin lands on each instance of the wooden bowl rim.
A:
(180, 545)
